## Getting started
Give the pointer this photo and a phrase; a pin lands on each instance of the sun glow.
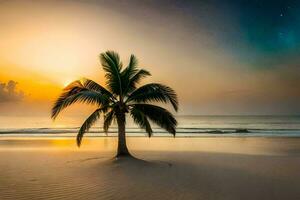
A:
(67, 82)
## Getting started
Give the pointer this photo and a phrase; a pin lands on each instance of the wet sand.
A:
(182, 168)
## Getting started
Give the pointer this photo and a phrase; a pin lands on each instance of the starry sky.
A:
(221, 56)
(260, 32)
(268, 31)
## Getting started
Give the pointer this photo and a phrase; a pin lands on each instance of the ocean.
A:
(188, 126)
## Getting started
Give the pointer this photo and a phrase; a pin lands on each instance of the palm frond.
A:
(111, 64)
(108, 118)
(131, 69)
(128, 72)
(141, 119)
(77, 92)
(135, 79)
(157, 115)
(154, 92)
(88, 124)
(131, 75)
(92, 85)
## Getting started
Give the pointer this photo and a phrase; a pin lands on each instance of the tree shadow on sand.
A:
(133, 161)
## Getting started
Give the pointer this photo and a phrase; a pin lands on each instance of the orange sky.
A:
(46, 44)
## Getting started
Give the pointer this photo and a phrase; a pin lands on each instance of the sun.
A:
(67, 82)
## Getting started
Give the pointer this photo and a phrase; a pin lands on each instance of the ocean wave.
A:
(134, 130)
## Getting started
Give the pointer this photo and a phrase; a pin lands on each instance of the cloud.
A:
(8, 92)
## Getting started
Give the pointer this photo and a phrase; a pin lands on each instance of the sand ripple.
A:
(174, 175)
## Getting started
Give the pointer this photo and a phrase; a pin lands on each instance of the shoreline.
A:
(95, 137)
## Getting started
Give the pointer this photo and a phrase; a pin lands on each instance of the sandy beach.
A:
(181, 168)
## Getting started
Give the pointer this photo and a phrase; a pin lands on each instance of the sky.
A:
(222, 57)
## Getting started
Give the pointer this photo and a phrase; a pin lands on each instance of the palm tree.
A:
(121, 97)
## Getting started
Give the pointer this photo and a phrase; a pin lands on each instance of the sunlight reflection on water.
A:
(109, 144)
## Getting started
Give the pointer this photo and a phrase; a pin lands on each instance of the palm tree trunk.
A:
(122, 147)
